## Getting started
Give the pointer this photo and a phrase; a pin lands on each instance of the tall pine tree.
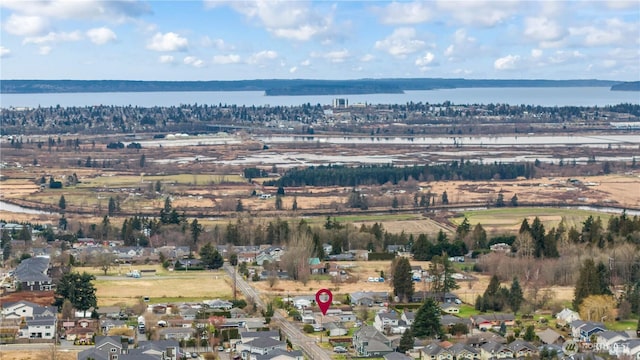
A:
(427, 320)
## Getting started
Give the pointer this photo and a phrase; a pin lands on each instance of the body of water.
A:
(4, 206)
(524, 140)
(568, 96)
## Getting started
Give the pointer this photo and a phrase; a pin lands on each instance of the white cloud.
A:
(406, 13)
(562, 56)
(262, 57)
(193, 61)
(305, 62)
(293, 69)
(101, 36)
(4, 52)
(462, 46)
(294, 20)
(166, 59)
(219, 44)
(509, 62)
(54, 37)
(425, 60)
(462, 72)
(110, 10)
(543, 29)
(485, 13)
(400, 43)
(337, 56)
(168, 42)
(44, 50)
(536, 53)
(610, 32)
(26, 25)
(367, 58)
(226, 59)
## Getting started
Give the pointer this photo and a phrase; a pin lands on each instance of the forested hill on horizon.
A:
(275, 87)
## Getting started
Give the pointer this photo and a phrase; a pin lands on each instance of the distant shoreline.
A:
(277, 87)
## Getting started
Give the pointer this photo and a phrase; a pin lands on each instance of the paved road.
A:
(297, 337)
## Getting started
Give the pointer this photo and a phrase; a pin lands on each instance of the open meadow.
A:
(164, 286)
(28, 354)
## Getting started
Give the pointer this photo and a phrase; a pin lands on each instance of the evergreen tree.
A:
(210, 257)
(463, 229)
(294, 206)
(196, 230)
(442, 272)
(529, 333)
(524, 227)
(445, 198)
(591, 281)
(78, 289)
(62, 203)
(112, 207)
(479, 236)
(402, 281)
(239, 206)
(514, 200)
(500, 200)
(516, 296)
(427, 320)
(278, 203)
(406, 341)
(421, 249)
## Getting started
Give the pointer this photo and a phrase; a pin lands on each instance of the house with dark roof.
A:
(32, 274)
(488, 321)
(368, 297)
(523, 349)
(583, 330)
(396, 356)
(550, 337)
(36, 322)
(368, 341)
(495, 350)
(606, 339)
(462, 351)
(260, 346)
(279, 354)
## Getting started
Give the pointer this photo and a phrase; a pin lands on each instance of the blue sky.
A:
(235, 40)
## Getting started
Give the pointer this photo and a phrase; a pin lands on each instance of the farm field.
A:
(163, 287)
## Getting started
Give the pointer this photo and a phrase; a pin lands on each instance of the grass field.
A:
(142, 180)
(161, 288)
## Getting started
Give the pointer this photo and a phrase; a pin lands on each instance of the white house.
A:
(386, 320)
(606, 339)
(567, 316)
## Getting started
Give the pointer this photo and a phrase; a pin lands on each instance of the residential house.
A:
(315, 266)
(462, 351)
(450, 320)
(176, 333)
(335, 329)
(327, 248)
(450, 308)
(396, 356)
(606, 339)
(583, 330)
(81, 335)
(279, 354)
(395, 248)
(495, 350)
(447, 297)
(628, 348)
(368, 297)
(408, 317)
(262, 257)
(500, 247)
(550, 337)
(218, 304)
(566, 316)
(108, 324)
(522, 349)
(111, 312)
(434, 351)
(488, 321)
(260, 346)
(368, 341)
(160, 349)
(37, 322)
(386, 320)
(32, 274)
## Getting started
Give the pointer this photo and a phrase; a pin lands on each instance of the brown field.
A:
(174, 287)
(38, 354)
(362, 270)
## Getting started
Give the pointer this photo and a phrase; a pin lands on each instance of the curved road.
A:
(297, 337)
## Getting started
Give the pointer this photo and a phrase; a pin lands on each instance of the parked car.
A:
(340, 349)
(195, 355)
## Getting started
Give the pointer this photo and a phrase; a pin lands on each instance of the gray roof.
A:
(396, 356)
(264, 342)
(433, 349)
(279, 352)
(549, 336)
(409, 315)
(462, 347)
(519, 344)
(611, 334)
(33, 269)
(93, 353)
(42, 321)
(260, 334)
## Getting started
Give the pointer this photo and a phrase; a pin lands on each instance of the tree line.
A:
(338, 175)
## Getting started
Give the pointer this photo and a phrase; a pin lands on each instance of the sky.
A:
(272, 39)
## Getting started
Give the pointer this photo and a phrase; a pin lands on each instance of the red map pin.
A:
(324, 297)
